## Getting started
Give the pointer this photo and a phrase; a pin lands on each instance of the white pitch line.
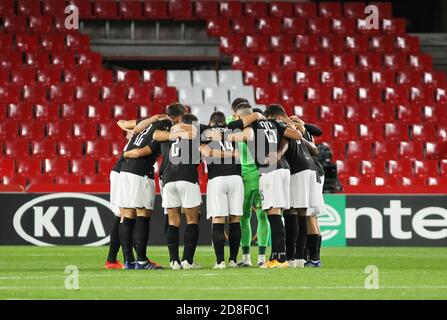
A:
(221, 288)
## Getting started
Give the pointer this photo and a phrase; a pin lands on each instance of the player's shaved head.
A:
(175, 110)
(274, 111)
(189, 118)
(217, 118)
(244, 109)
(237, 102)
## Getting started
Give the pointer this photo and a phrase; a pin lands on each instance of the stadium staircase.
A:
(378, 99)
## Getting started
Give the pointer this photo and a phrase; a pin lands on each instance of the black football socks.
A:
(278, 237)
(172, 237)
(141, 236)
(219, 241)
(191, 238)
(291, 226)
(302, 237)
(313, 242)
(114, 245)
(126, 230)
(234, 240)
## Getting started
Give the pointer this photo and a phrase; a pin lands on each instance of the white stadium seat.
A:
(230, 78)
(225, 108)
(216, 95)
(204, 78)
(179, 78)
(190, 96)
(246, 92)
(202, 112)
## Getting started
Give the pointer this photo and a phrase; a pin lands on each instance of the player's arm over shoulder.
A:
(138, 153)
(127, 125)
(143, 124)
(245, 135)
(288, 132)
(208, 152)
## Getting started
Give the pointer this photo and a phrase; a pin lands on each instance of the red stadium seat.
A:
(305, 9)
(116, 148)
(85, 131)
(267, 61)
(383, 77)
(53, 41)
(281, 9)
(206, 9)
(9, 93)
(345, 132)
(294, 96)
(155, 9)
(385, 9)
(395, 61)
(317, 94)
(84, 7)
(164, 95)
(128, 77)
(32, 130)
(6, 42)
(106, 164)
(422, 132)
(333, 114)
(230, 44)
(98, 149)
(78, 42)
(329, 9)
(53, 7)
(426, 168)
(105, 9)
(63, 59)
(49, 76)
(342, 94)
(132, 10)
(395, 26)
(16, 149)
(282, 78)
(291, 25)
(385, 150)
(347, 167)
(374, 168)
(396, 132)
(370, 132)
(29, 8)
(124, 111)
(63, 93)
(307, 43)
(27, 42)
(382, 44)
(67, 179)
(46, 112)
(59, 130)
(435, 150)
(10, 60)
(55, 167)
(76, 76)
(356, 113)
(332, 43)
(101, 77)
(354, 9)
(443, 167)
(343, 26)
(406, 113)
(281, 43)
(218, 26)
(340, 61)
(41, 149)
(23, 76)
(441, 133)
(382, 113)
(265, 95)
(96, 179)
(139, 94)
(40, 24)
(410, 150)
(230, 8)
(113, 94)
(69, 149)
(180, 9)
(39, 59)
(318, 25)
(368, 94)
(15, 24)
(20, 112)
(15, 180)
(407, 44)
(7, 8)
(98, 113)
(333, 78)
(89, 60)
(319, 61)
(6, 167)
(399, 168)
(110, 131)
(307, 78)
(154, 77)
(87, 93)
(255, 9)
(256, 78)
(358, 150)
(35, 93)
(294, 61)
(33, 180)
(73, 112)
(81, 167)
(28, 167)
(257, 43)
(269, 25)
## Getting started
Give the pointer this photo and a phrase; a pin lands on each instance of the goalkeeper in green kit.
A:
(250, 177)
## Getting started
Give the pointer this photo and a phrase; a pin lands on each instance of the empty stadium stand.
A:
(376, 95)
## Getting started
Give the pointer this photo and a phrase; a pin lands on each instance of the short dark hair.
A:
(259, 111)
(218, 117)
(243, 105)
(189, 118)
(275, 110)
(175, 109)
(237, 102)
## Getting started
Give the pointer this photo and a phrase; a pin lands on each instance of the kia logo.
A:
(71, 218)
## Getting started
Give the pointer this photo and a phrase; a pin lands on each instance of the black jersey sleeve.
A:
(313, 130)
(281, 128)
(237, 124)
(164, 125)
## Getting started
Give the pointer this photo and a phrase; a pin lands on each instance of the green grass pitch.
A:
(28, 272)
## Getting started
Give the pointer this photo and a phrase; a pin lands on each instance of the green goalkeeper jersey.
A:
(248, 165)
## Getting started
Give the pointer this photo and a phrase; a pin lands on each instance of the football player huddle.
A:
(265, 162)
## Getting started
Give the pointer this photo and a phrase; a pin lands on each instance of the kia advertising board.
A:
(349, 220)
